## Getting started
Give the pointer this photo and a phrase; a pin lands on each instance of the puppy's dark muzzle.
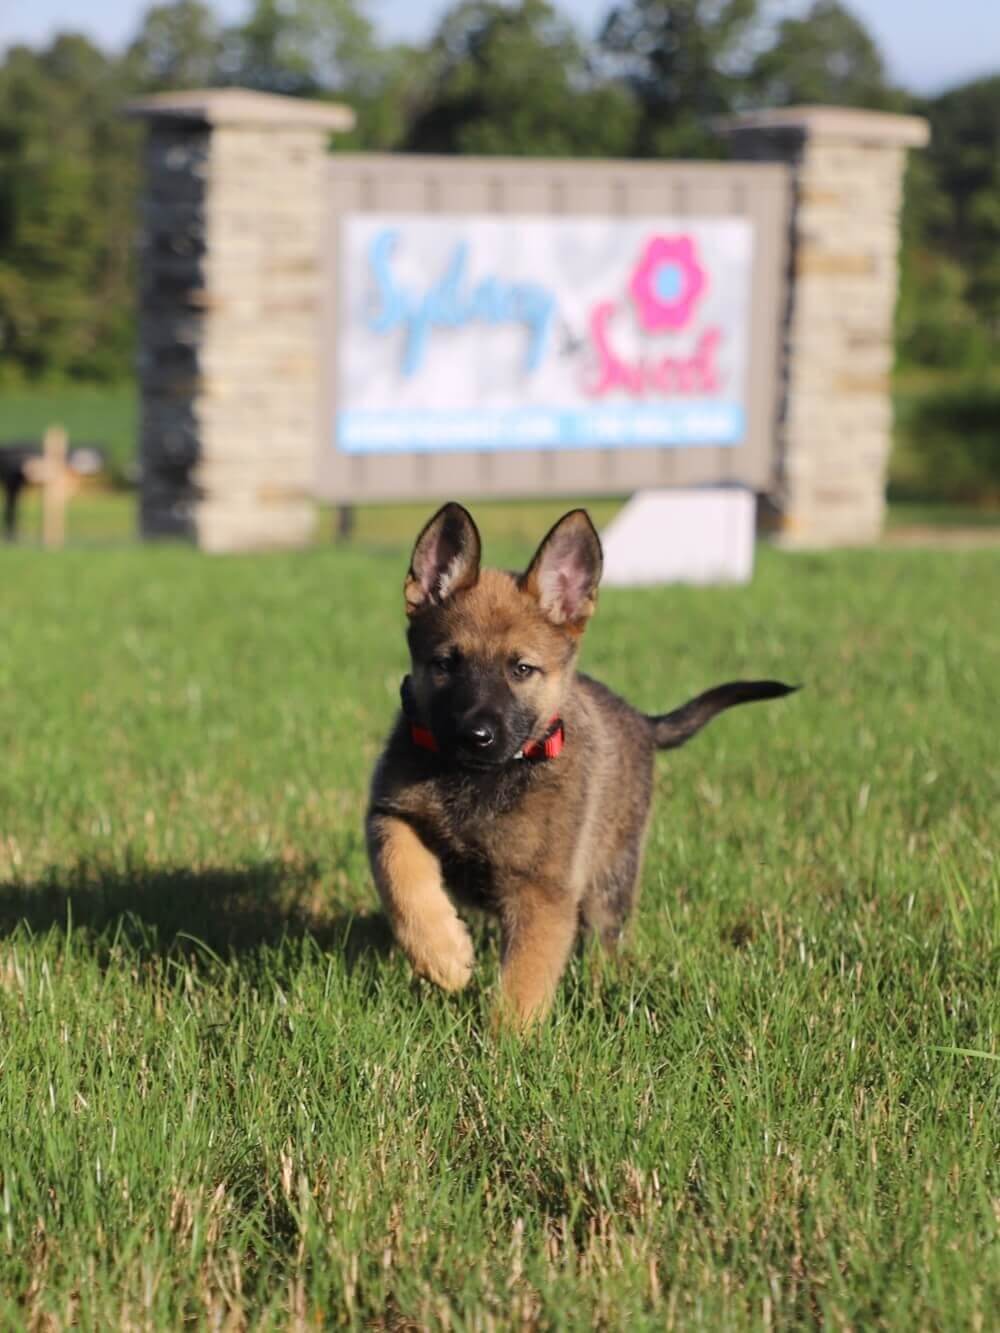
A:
(481, 734)
(476, 722)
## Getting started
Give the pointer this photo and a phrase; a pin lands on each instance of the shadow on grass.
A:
(178, 911)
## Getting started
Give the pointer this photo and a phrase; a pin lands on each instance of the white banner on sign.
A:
(494, 333)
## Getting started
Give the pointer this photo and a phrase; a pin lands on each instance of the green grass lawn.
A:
(223, 1097)
(905, 513)
(102, 518)
(105, 415)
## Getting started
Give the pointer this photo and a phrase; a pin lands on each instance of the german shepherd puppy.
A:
(510, 782)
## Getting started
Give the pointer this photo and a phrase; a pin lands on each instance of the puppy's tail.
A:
(673, 729)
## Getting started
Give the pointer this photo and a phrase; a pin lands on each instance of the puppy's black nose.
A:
(480, 731)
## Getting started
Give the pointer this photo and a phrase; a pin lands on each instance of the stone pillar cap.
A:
(833, 122)
(242, 106)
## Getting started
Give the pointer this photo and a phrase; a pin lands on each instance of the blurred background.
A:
(642, 79)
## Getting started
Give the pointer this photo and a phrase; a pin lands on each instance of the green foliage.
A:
(965, 157)
(303, 48)
(179, 45)
(949, 443)
(948, 315)
(936, 326)
(269, 54)
(516, 80)
(68, 174)
(827, 56)
(684, 61)
(225, 1101)
(385, 101)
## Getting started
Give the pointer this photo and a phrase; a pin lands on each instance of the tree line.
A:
(512, 78)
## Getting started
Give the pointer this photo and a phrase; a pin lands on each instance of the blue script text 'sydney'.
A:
(453, 302)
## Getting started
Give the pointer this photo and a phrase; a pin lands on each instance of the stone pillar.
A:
(231, 274)
(835, 419)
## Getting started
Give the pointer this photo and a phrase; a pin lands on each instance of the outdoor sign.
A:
(484, 333)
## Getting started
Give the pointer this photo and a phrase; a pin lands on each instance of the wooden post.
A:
(344, 526)
(54, 488)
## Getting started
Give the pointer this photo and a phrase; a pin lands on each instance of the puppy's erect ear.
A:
(445, 559)
(565, 571)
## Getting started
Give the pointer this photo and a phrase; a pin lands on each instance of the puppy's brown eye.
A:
(522, 670)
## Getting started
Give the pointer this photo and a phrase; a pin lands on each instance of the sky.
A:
(928, 45)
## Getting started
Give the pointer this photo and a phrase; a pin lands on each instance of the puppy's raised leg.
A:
(538, 932)
(423, 919)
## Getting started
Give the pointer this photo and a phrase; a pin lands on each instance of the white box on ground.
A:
(703, 535)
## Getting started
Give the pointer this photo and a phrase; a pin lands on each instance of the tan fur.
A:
(496, 618)
(538, 935)
(423, 919)
(548, 846)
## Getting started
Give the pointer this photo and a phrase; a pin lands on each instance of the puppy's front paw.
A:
(514, 1019)
(444, 954)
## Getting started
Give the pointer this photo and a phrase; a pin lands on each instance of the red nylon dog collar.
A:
(548, 747)
(422, 738)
